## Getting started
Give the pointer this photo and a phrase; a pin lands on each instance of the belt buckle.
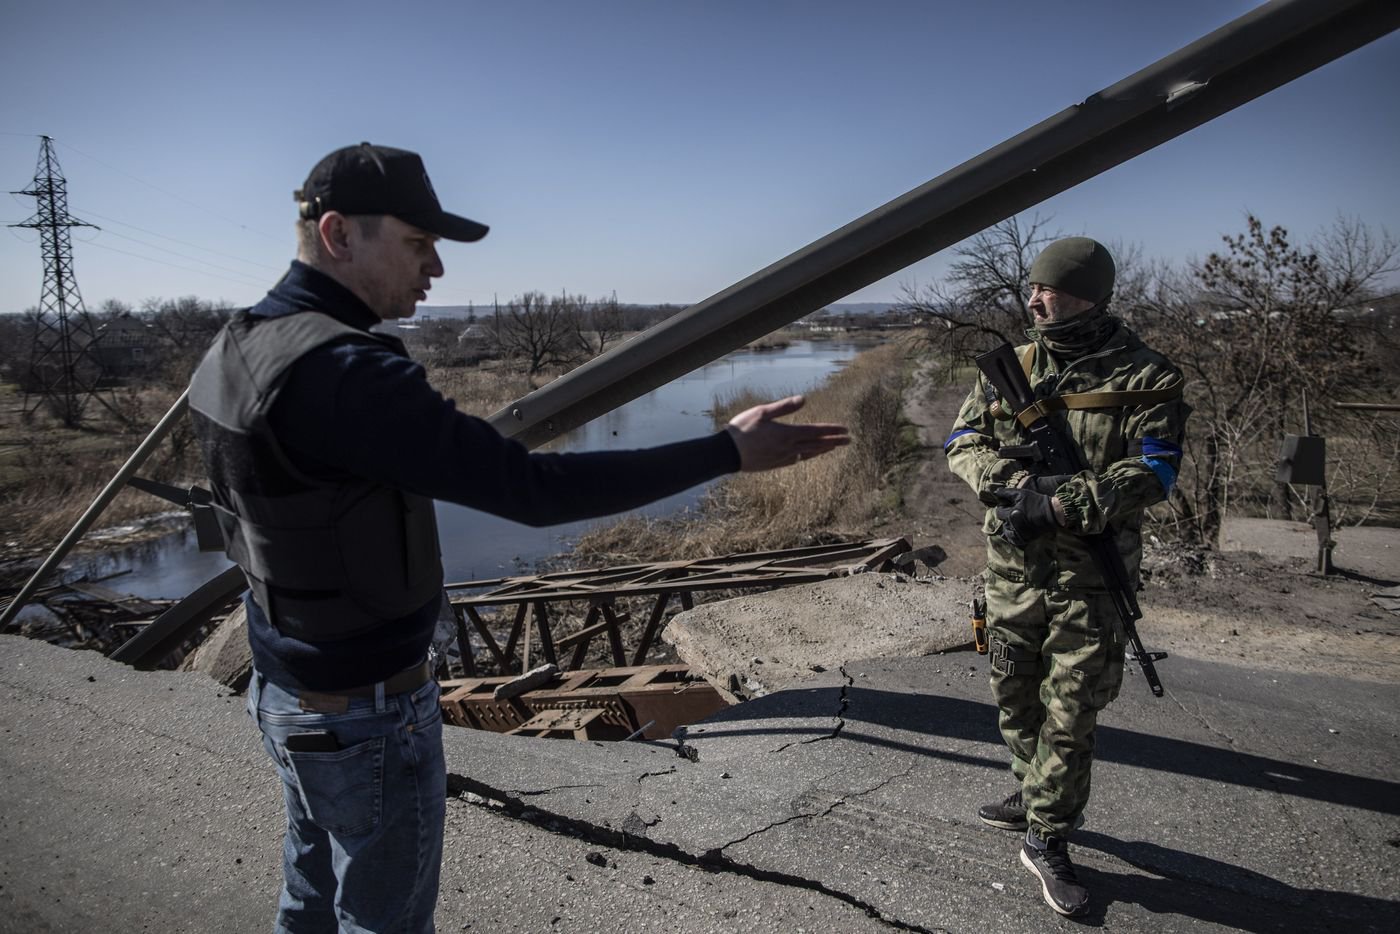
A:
(1001, 656)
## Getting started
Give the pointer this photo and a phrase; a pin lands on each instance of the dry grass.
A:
(832, 497)
(777, 340)
(480, 390)
(50, 474)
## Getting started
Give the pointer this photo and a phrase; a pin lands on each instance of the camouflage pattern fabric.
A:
(1133, 454)
(1057, 649)
(1063, 649)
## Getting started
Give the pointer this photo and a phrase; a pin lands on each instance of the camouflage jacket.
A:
(1134, 454)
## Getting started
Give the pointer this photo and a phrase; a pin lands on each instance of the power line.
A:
(151, 259)
(194, 246)
(172, 194)
(154, 246)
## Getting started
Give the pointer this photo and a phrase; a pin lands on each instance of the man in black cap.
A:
(1057, 649)
(325, 447)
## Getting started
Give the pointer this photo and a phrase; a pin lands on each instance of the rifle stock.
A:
(1003, 371)
(1053, 446)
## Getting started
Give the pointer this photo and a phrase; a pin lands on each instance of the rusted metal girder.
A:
(601, 588)
(608, 703)
(1248, 57)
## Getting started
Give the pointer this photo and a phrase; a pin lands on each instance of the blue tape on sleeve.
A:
(956, 435)
(1165, 472)
(1156, 446)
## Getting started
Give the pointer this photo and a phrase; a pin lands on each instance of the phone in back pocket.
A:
(314, 741)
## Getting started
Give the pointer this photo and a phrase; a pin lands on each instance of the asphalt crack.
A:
(717, 853)
(1201, 719)
(816, 815)
(787, 820)
(1275, 781)
(554, 788)
(713, 860)
(840, 716)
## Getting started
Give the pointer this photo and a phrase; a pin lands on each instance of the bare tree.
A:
(1357, 259)
(599, 322)
(186, 327)
(641, 317)
(539, 330)
(16, 340)
(983, 299)
(1255, 327)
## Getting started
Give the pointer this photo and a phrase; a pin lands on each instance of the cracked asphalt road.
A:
(1241, 801)
(1244, 800)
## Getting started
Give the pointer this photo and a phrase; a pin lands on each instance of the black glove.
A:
(1025, 515)
(1047, 484)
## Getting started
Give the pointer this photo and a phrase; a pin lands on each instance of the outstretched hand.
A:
(765, 443)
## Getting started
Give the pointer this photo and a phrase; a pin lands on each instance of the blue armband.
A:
(956, 435)
(1162, 457)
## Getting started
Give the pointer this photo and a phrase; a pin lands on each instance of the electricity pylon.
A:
(64, 369)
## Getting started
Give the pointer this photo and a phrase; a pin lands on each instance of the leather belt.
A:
(410, 679)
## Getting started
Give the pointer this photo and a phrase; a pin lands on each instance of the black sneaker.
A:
(1009, 814)
(1049, 860)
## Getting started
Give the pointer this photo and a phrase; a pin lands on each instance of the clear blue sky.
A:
(661, 150)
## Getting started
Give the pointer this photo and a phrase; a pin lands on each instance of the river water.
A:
(478, 545)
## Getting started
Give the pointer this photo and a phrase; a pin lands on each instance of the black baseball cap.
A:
(369, 179)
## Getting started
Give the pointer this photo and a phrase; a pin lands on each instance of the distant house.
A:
(825, 322)
(128, 346)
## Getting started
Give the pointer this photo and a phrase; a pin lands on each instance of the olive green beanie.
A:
(1077, 266)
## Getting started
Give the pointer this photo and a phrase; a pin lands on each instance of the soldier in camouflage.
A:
(1057, 647)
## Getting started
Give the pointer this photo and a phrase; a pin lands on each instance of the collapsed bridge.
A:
(1244, 59)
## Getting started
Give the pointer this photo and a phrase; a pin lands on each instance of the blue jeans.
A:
(364, 822)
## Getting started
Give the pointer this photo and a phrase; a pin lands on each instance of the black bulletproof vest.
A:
(325, 559)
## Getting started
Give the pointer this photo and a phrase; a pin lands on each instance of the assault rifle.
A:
(1052, 445)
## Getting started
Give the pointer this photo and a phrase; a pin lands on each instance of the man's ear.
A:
(334, 228)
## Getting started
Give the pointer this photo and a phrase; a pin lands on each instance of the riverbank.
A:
(51, 473)
(154, 555)
(838, 496)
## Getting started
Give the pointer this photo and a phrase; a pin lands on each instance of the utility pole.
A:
(64, 369)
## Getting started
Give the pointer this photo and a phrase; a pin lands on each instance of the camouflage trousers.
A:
(1057, 660)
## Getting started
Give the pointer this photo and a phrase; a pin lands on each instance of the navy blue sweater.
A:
(357, 410)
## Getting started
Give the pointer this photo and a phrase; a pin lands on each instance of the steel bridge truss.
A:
(532, 597)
